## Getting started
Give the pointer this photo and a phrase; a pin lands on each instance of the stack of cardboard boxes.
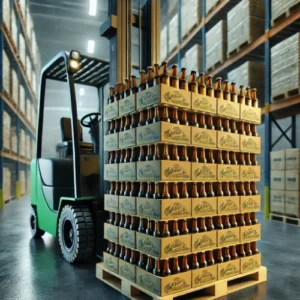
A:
(182, 200)
(284, 182)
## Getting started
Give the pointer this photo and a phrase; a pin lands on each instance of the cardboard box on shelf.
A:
(204, 104)
(228, 141)
(163, 132)
(111, 142)
(250, 233)
(127, 270)
(277, 160)
(250, 114)
(228, 109)
(111, 262)
(127, 138)
(204, 241)
(6, 69)
(127, 105)
(250, 173)
(204, 172)
(163, 209)
(127, 205)
(127, 171)
(163, 286)
(163, 247)
(111, 111)
(111, 172)
(203, 207)
(277, 201)
(292, 159)
(228, 205)
(250, 144)
(292, 203)
(227, 237)
(204, 138)
(167, 170)
(204, 276)
(292, 180)
(229, 269)
(111, 232)
(228, 172)
(250, 263)
(163, 94)
(127, 237)
(277, 180)
(111, 203)
(250, 203)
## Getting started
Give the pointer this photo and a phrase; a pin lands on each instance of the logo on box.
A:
(228, 172)
(176, 97)
(228, 205)
(204, 172)
(249, 265)
(204, 104)
(204, 277)
(147, 99)
(228, 142)
(203, 138)
(230, 270)
(229, 237)
(204, 207)
(250, 144)
(176, 171)
(176, 209)
(250, 233)
(228, 109)
(176, 285)
(176, 134)
(148, 135)
(176, 247)
(205, 241)
(250, 204)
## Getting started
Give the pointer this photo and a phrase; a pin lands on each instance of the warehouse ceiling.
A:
(66, 25)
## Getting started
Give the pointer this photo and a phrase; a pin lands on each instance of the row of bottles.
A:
(181, 227)
(180, 153)
(174, 190)
(161, 75)
(162, 113)
(183, 263)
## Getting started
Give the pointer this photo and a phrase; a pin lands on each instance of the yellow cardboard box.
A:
(163, 286)
(228, 141)
(127, 237)
(228, 109)
(205, 138)
(251, 114)
(204, 103)
(167, 170)
(229, 269)
(204, 207)
(111, 172)
(127, 105)
(111, 142)
(228, 205)
(250, 173)
(111, 262)
(228, 172)
(111, 232)
(164, 209)
(111, 203)
(111, 111)
(127, 138)
(227, 237)
(250, 203)
(163, 247)
(250, 233)
(250, 263)
(204, 172)
(204, 276)
(203, 241)
(127, 270)
(127, 171)
(163, 94)
(127, 205)
(250, 144)
(163, 132)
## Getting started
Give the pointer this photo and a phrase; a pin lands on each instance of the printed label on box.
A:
(127, 105)
(111, 172)
(292, 159)
(204, 276)
(110, 262)
(204, 241)
(111, 232)
(204, 172)
(228, 172)
(203, 207)
(228, 269)
(277, 160)
(228, 109)
(204, 103)
(250, 263)
(277, 180)
(250, 233)
(292, 180)
(127, 205)
(111, 142)
(228, 205)
(204, 137)
(111, 203)
(277, 201)
(127, 270)
(127, 171)
(250, 173)
(228, 237)
(127, 237)
(111, 111)
(250, 144)
(228, 141)
(250, 203)
(127, 138)
(251, 114)
(292, 205)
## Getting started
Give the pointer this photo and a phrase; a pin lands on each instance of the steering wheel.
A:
(93, 118)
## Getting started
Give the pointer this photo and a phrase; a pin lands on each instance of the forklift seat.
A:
(64, 148)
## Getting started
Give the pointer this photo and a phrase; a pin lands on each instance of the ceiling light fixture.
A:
(81, 91)
(93, 7)
(91, 46)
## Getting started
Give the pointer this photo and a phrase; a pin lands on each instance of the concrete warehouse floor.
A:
(35, 270)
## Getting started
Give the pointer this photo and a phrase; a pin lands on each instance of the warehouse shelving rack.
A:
(257, 50)
(7, 157)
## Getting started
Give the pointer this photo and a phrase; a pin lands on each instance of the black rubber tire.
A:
(34, 225)
(76, 233)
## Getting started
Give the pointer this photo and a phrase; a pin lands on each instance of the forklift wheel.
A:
(34, 226)
(76, 233)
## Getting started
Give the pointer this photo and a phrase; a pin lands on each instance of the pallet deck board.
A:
(213, 290)
(285, 219)
(286, 94)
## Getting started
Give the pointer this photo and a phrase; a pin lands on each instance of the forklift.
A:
(67, 186)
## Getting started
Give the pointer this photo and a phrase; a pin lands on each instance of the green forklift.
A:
(66, 185)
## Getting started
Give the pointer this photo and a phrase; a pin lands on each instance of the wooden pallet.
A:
(285, 219)
(208, 292)
(287, 94)
(238, 49)
(286, 14)
(216, 65)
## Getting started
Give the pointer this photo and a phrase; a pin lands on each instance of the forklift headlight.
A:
(75, 55)
(74, 64)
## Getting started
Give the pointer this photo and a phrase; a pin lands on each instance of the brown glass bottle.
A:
(184, 192)
(219, 225)
(165, 155)
(156, 231)
(149, 155)
(248, 191)
(141, 192)
(149, 265)
(247, 219)
(118, 188)
(122, 220)
(111, 97)
(253, 188)
(117, 157)
(242, 252)
(226, 191)
(254, 99)
(242, 159)
(210, 123)
(183, 119)
(233, 221)
(165, 115)
(175, 267)
(156, 154)
(203, 262)
(248, 250)
(185, 266)
(127, 123)
(219, 159)
(143, 83)
(226, 255)
(166, 232)
(254, 248)
(247, 159)
(156, 270)
(247, 129)
(253, 130)
(175, 230)
(242, 220)
(142, 155)
(219, 192)
(233, 93)
(174, 118)
(195, 155)
(112, 188)
(226, 158)
(127, 255)
(209, 224)
(202, 158)
(202, 192)
(141, 119)
(253, 218)
(156, 116)
(111, 157)
(112, 248)
(127, 222)
(133, 155)
(156, 74)
(108, 128)
(218, 90)
(226, 126)
(141, 227)
(117, 219)
(149, 193)
(174, 80)
(253, 159)
(209, 190)
(127, 189)
(233, 126)
(195, 193)
(233, 159)
(108, 247)
(226, 224)
(149, 229)
(175, 155)
(164, 77)
(156, 194)
(112, 127)
(183, 84)
(210, 258)
(248, 96)
(134, 87)
(209, 86)
(111, 218)
(201, 84)
(122, 252)
(133, 225)
(119, 91)
(166, 270)
(194, 121)
(184, 229)
(241, 129)
(219, 258)
(122, 189)
(210, 156)
(127, 155)
(149, 119)
(195, 228)
(233, 253)
(133, 259)
(150, 78)
(175, 194)
(226, 91)
(166, 194)
(195, 263)
(133, 121)
(233, 190)
(241, 96)
(127, 91)
(218, 125)
(193, 84)
(141, 262)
